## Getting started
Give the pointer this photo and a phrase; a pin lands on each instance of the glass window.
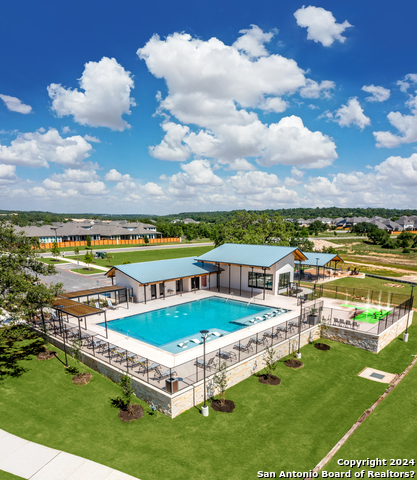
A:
(256, 280)
(284, 280)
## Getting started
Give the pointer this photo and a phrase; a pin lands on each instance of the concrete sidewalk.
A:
(36, 462)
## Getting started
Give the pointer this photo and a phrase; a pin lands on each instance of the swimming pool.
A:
(167, 327)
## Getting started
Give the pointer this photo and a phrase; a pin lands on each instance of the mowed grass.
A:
(51, 261)
(84, 271)
(370, 283)
(148, 255)
(389, 433)
(273, 428)
(8, 476)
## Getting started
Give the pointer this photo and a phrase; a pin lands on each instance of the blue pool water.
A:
(166, 327)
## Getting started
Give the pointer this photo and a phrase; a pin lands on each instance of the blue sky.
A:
(167, 107)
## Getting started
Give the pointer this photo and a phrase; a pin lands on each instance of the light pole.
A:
(204, 408)
(61, 321)
(405, 337)
(302, 300)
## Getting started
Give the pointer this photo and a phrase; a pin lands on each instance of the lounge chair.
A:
(226, 355)
(163, 375)
(336, 321)
(98, 306)
(141, 363)
(96, 343)
(200, 363)
(243, 348)
(183, 344)
(256, 341)
(110, 304)
(195, 340)
(216, 334)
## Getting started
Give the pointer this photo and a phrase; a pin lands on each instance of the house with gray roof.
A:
(235, 267)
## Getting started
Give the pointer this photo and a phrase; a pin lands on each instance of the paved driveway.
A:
(75, 281)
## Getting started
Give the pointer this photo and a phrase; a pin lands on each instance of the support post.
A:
(105, 323)
(229, 277)
(240, 280)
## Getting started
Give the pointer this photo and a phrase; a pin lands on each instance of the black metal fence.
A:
(374, 297)
(175, 379)
(347, 319)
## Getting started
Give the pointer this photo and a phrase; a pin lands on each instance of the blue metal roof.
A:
(248, 255)
(323, 258)
(163, 270)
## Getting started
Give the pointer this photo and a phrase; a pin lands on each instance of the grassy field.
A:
(389, 433)
(51, 261)
(370, 283)
(84, 271)
(148, 255)
(381, 261)
(273, 428)
(8, 476)
(109, 247)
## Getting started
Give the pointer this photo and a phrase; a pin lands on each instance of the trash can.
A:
(171, 385)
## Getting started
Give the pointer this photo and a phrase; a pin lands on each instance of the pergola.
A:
(78, 310)
(92, 292)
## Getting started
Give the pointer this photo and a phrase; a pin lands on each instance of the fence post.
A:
(336, 294)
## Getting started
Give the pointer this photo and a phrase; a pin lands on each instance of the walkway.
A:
(36, 462)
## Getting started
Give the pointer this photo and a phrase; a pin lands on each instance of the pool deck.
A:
(171, 360)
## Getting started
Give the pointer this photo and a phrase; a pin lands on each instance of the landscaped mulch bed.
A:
(137, 412)
(82, 379)
(269, 380)
(293, 363)
(322, 346)
(228, 406)
(46, 355)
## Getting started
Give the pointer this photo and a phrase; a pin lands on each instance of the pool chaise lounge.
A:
(200, 363)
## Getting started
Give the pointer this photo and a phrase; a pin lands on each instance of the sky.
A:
(167, 107)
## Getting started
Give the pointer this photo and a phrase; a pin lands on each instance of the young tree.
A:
(21, 290)
(77, 251)
(220, 380)
(269, 359)
(88, 241)
(127, 391)
(88, 259)
(108, 258)
(146, 239)
(55, 251)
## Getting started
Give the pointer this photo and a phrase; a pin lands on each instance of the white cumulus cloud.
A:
(7, 174)
(114, 176)
(321, 25)
(37, 149)
(105, 99)
(378, 94)
(314, 89)
(352, 114)
(15, 105)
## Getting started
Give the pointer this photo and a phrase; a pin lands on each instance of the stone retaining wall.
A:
(367, 341)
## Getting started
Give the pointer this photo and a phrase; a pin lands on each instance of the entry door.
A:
(178, 285)
(195, 283)
(153, 291)
(161, 290)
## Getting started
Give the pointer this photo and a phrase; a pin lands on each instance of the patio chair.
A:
(336, 321)
(98, 306)
(256, 341)
(226, 355)
(242, 348)
(96, 343)
(110, 304)
(200, 363)
(341, 322)
(355, 324)
(348, 323)
(141, 363)
(163, 375)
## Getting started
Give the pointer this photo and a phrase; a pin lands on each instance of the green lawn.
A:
(8, 476)
(148, 255)
(84, 271)
(51, 261)
(390, 432)
(371, 284)
(286, 427)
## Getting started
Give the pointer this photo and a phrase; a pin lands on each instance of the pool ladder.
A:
(250, 301)
(127, 335)
(230, 296)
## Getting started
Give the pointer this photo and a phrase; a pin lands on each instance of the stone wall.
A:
(371, 342)
(194, 395)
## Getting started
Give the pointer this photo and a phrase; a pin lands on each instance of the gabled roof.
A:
(320, 259)
(250, 255)
(163, 270)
